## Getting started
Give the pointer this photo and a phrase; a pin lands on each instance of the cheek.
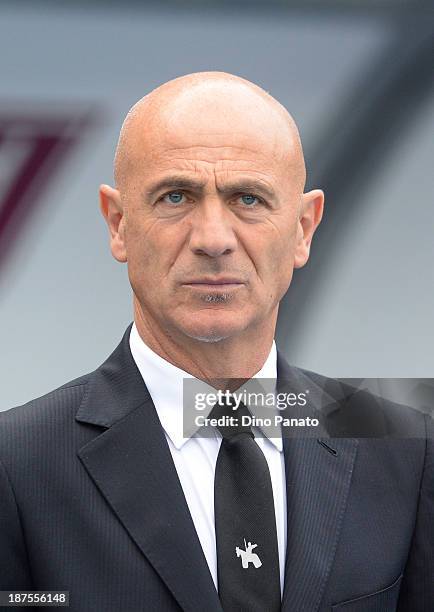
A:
(145, 256)
(153, 250)
(281, 266)
(273, 251)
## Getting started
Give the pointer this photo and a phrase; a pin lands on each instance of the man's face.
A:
(212, 231)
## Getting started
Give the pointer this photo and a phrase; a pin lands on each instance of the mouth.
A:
(209, 284)
(214, 288)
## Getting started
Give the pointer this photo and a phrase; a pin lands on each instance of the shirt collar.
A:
(164, 382)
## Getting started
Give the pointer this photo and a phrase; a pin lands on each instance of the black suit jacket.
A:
(90, 501)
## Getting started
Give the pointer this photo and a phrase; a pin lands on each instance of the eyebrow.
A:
(182, 182)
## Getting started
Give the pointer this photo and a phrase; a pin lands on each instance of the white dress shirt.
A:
(195, 457)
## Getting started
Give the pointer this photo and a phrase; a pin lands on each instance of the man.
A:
(102, 494)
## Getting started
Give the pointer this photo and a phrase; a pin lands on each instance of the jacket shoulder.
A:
(54, 404)
(358, 411)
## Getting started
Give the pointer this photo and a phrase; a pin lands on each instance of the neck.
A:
(225, 364)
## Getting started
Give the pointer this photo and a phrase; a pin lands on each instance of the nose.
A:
(212, 232)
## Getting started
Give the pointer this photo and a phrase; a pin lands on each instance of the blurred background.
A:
(358, 78)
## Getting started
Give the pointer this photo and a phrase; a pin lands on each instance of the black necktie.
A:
(245, 522)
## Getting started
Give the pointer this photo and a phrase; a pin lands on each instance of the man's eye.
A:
(250, 200)
(174, 197)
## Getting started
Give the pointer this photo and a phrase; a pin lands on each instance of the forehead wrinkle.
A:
(253, 159)
(232, 150)
(232, 175)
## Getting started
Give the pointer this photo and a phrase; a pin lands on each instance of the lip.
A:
(214, 281)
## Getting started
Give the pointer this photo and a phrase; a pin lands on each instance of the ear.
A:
(311, 210)
(111, 207)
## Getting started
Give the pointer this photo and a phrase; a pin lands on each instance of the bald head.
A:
(203, 103)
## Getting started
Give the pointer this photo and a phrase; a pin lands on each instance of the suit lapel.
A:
(131, 464)
(317, 486)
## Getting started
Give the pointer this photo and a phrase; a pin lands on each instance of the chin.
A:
(209, 334)
(208, 338)
(212, 330)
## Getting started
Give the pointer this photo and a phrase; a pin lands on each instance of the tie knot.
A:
(232, 419)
